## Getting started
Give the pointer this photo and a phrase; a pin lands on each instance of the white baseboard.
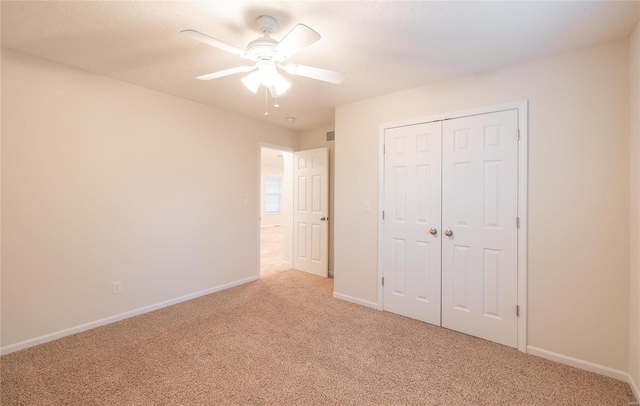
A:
(87, 326)
(355, 300)
(588, 366)
(578, 363)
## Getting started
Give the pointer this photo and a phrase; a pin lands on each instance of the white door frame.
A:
(523, 181)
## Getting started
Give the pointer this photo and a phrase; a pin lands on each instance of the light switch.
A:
(367, 205)
(246, 202)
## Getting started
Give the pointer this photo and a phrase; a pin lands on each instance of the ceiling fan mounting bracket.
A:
(266, 24)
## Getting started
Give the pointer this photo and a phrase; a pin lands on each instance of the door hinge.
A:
(517, 311)
(383, 214)
(518, 134)
(383, 281)
(517, 222)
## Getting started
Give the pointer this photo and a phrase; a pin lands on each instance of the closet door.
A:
(412, 241)
(479, 209)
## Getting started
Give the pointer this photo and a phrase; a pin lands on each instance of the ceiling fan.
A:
(268, 55)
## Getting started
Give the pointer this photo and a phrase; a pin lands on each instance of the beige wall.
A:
(578, 273)
(317, 139)
(104, 181)
(634, 308)
(287, 215)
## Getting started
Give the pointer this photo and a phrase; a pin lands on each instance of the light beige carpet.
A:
(284, 340)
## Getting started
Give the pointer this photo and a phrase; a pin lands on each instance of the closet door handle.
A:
(448, 233)
(433, 231)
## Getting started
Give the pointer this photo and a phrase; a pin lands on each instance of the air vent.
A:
(331, 135)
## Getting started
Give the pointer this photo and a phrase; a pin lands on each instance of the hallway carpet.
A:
(272, 250)
(283, 340)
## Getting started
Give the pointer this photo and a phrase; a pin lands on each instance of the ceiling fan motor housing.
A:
(262, 48)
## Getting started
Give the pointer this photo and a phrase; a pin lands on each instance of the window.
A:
(273, 194)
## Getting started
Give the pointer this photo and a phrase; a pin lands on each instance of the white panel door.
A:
(311, 211)
(411, 257)
(479, 208)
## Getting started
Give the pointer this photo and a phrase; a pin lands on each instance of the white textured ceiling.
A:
(383, 46)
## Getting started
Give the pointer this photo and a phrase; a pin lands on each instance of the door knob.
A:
(448, 233)
(433, 231)
(324, 218)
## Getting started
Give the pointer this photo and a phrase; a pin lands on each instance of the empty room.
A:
(320, 202)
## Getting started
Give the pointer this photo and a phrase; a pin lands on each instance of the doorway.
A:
(294, 211)
(275, 210)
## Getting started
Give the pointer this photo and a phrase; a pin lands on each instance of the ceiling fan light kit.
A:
(268, 54)
(267, 76)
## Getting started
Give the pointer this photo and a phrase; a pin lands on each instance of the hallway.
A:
(272, 251)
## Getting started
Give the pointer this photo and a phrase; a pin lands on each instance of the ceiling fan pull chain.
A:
(276, 105)
(266, 101)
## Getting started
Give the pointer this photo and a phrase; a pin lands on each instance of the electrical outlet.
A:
(117, 288)
(367, 205)
(246, 202)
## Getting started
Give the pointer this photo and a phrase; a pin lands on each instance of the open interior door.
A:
(311, 211)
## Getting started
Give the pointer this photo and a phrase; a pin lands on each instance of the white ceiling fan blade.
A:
(295, 41)
(198, 36)
(325, 75)
(225, 72)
